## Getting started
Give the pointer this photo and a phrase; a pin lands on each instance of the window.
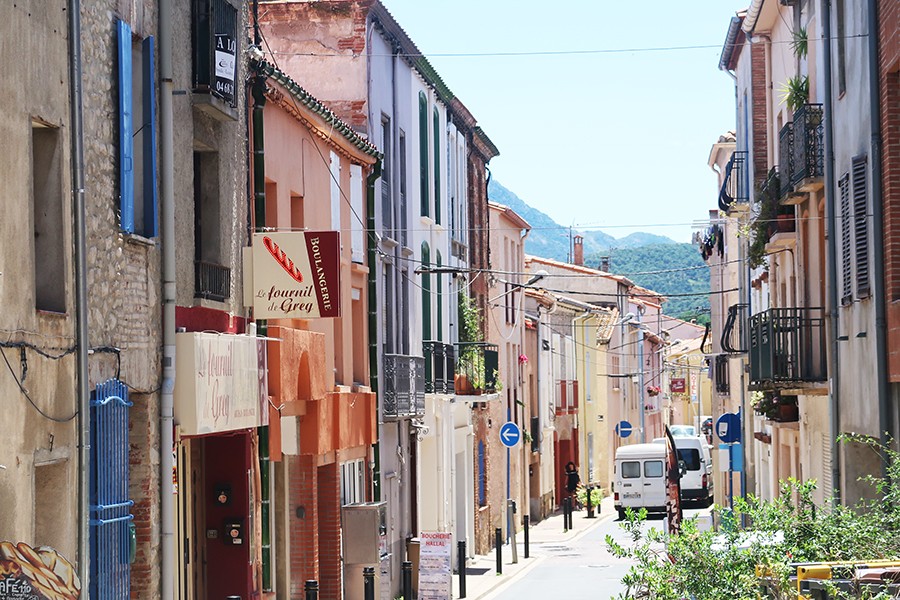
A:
(297, 218)
(631, 469)
(691, 458)
(47, 215)
(212, 280)
(653, 468)
(437, 166)
(482, 491)
(859, 178)
(426, 293)
(357, 240)
(846, 242)
(353, 482)
(214, 37)
(137, 134)
(335, 165)
(403, 208)
(387, 206)
(404, 312)
(423, 155)
(588, 375)
(389, 291)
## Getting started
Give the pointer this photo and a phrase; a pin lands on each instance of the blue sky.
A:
(614, 141)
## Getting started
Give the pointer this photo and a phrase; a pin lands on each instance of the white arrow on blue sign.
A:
(624, 429)
(510, 434)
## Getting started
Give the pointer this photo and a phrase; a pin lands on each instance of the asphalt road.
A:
(577, 569)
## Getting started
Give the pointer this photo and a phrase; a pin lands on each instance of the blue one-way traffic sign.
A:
(624, 429)
(510, 434)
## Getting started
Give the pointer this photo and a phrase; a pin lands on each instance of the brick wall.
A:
(889, 44)
(304, 530)
(329, 500)
(758, 111)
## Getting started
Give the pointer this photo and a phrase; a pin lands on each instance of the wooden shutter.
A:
(126, 130)
(859, 179)
(844, 217)
(437, 166)
(423, 154)
(151, 222)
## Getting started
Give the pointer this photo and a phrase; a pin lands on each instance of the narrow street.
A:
(574, 564)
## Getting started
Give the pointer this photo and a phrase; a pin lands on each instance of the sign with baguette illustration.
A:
(28, 573)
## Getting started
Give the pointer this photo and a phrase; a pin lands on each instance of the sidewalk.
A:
(481, 571)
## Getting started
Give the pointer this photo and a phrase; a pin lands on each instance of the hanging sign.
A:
(226, 67)
(297, 275)
(676, 385)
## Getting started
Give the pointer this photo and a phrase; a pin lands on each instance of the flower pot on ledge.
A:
(786, 413)
(463, 386)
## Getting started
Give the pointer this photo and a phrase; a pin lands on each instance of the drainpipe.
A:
(167, 219)
(884, 407)
(372, 264)
(81, 317)
(833, 357)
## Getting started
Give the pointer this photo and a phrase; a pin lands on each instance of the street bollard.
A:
(407, 578)
(567, 507)
(312, 589)
(369, 583)
(525, 523)
(571, 512)
(590, 507)
(498, 542)
(461, 559)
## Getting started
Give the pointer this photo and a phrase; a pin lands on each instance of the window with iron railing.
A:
(785, 153)
(214, 37)
(404, 386)
(787, 345)
(808, 158)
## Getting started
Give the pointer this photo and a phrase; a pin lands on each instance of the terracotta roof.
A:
(510, 214)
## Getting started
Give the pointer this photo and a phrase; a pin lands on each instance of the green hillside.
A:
(684, 273)
(631, 255)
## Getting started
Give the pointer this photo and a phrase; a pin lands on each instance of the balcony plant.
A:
(653, 390)
(470, 375)
(795, 91)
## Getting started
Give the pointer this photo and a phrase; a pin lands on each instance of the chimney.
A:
(578, 250)
(604, 264)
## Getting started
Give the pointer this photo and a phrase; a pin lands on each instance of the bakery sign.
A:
(296, 275)
(220, 382)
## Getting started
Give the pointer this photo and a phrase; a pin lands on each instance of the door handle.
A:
(648, 483)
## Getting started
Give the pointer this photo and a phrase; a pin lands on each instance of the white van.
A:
(640, 478)
(697, 481)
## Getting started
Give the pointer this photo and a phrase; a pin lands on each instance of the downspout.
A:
(884, 407)
(372, 265)
(167, 225)
(833, 357)
(81, 314)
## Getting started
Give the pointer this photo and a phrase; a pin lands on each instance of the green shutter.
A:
(426, 293)
(437, 166)
(423, 154)
(440, 311)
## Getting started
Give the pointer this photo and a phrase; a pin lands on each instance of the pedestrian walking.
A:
(572, 482)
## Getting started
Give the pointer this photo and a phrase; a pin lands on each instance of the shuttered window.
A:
(859, 177)
(137, 134)
(426, 293)
(844, 217)
(437, 166)
(440, 290)
(423, 154)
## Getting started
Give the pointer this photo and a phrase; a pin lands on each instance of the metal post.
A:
(312, 589)
(511, 535)
(369, 583)
(525, 524)
(590, 507)
(461, 545)
(498, 543)
(566, 503)
(407, 579)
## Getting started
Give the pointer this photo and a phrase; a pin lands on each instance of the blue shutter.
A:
(126, 130)
(151, 223)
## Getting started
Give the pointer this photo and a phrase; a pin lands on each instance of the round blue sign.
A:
(728, 428)
(624, 429)
(510, 434)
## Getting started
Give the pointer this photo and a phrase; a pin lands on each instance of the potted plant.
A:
(469, 377)
(653, 390)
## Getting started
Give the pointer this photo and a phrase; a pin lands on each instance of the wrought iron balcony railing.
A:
(211, 281)
(476, 368)
(720, 371)
(808, 158)
(404, 386)
(734, 338)
(787, 348)
(440, 367)
(735, 187)
(785, 156)
(778, 218)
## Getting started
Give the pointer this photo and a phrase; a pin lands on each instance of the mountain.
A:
(652, 261)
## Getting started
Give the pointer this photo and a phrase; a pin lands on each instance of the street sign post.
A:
(624, 429)
(728, 428)
(510, 434)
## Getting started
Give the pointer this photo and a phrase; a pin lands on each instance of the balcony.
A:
(211, 281)
(720, 371)
(808, 159)
(566, 397)
(785, 156)
(476, 368)
(440, 367)
(734, 339)
(735, 187)
(404, 386)
(787, 349)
